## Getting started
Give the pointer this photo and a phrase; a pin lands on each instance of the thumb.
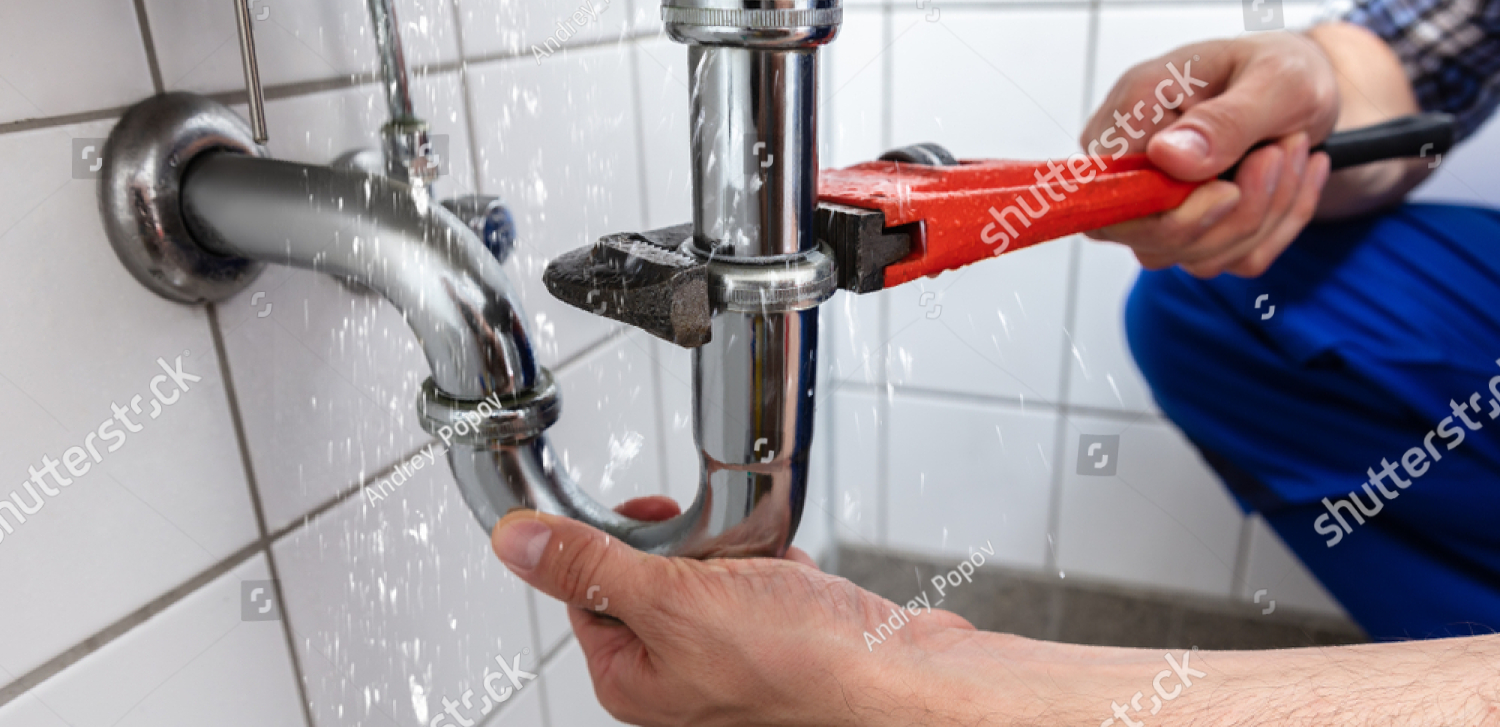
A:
(575, 563)
(1255, 105)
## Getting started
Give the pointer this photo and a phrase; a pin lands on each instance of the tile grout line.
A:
(152, 62)
(1018, 404)
(257, 504)
(298, 89)
(92, 643)
(466, 92)
(1070, 321)
(883, 403)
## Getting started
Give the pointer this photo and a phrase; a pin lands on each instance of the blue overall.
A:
(1366, 342)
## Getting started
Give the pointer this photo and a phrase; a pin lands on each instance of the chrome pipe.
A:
(392, 59)
(381, 233)
(454, 294)
(754, 149)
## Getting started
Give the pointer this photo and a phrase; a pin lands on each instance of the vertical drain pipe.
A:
(754, 67)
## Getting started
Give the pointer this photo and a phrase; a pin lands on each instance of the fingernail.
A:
(1299, 156)
(1273, 173)
(1218, 211)
(1187, 140)
(520, 545)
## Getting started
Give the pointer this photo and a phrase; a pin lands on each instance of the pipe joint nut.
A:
(765, 24)
(776, 284)
(496, 420)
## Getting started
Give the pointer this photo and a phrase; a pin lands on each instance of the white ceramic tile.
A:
(84, 335)
(663, 82)
(608, 438)
(198, 47)
(645, 17)
(197, 662)
(329, 377)
(1276, 569)
(968, 476)
(557, 141)
(996, 327)
(855, 423)
(398, 604)
(1162, 520)
(70, 56)
(990, 83)
(1132, 34)
(1466, 175)
(27, 711)
(1104, 374)
(536, 29)
(570, 691)
(856, 341)
(854, 93)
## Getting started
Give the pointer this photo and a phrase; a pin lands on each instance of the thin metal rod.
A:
(252, 71)
(392, 59)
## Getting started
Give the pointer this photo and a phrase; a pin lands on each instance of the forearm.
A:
(1372, 88)
(995, 679)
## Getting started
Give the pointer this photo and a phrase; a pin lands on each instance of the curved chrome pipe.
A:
(454, 294)
(381, 233)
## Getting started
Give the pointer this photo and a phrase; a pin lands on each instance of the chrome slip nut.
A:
(494, 420)
(780, 284)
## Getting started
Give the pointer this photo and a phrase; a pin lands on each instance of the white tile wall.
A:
(935, 434)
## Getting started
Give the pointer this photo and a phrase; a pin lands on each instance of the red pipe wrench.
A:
(919, 212)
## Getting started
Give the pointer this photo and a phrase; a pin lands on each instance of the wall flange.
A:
(140, 188)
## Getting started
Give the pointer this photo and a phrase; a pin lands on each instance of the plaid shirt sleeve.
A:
(1449, 48)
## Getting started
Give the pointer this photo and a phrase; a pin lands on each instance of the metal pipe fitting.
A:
(404, 141)
(753, 70)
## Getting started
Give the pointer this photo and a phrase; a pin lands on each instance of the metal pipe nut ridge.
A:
(770, 24)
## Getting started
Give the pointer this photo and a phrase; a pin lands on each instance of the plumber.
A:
(1384, 312)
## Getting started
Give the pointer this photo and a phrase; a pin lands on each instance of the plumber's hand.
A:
(1278, 86)
(734, 642)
